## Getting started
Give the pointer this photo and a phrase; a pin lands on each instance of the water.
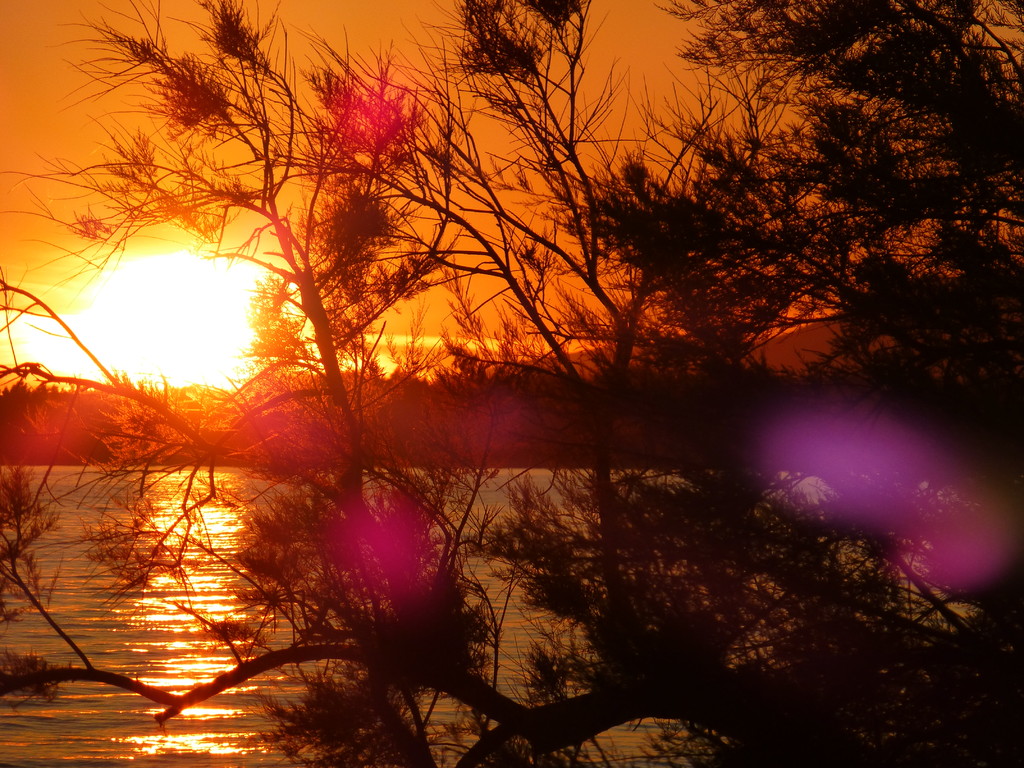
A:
(145, 636)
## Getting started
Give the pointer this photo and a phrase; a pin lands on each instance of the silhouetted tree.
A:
(357, 551)
(766, 560)
(850, 172)
(891, 193)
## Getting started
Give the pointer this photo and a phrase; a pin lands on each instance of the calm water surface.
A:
(144, 636)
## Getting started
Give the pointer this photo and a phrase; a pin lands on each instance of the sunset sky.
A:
(46, 111)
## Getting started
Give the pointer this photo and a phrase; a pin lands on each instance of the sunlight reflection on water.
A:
(151, 636)
(200, 743)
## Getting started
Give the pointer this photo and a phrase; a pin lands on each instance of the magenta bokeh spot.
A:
(388, 550)
(897, 479)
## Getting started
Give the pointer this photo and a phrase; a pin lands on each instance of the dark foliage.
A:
(775, 371)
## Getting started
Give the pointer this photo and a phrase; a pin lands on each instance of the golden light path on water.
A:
(167, 609)
(152, 635)
(149, 634)
(194, 661)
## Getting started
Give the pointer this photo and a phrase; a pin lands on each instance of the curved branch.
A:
(176, 703)
(252, 668)
(10, 683)
(547, 727)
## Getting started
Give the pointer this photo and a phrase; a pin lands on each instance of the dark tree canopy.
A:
(776, 346)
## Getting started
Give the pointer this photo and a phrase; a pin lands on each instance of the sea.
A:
(143, 635)
(146, 635)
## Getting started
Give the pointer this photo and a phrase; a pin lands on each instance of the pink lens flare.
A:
(390, 550)
(892, 477)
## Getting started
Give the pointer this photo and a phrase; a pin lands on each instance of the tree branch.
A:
(176, 703)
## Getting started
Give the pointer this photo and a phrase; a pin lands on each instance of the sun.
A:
(173, 316)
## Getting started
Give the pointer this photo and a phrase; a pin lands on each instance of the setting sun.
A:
(175, 316)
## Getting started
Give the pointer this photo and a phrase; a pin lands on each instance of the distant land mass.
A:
(500, 423)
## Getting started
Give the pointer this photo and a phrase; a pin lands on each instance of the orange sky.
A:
(43, 114)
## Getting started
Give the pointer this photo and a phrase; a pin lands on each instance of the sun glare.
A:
(174, 316)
